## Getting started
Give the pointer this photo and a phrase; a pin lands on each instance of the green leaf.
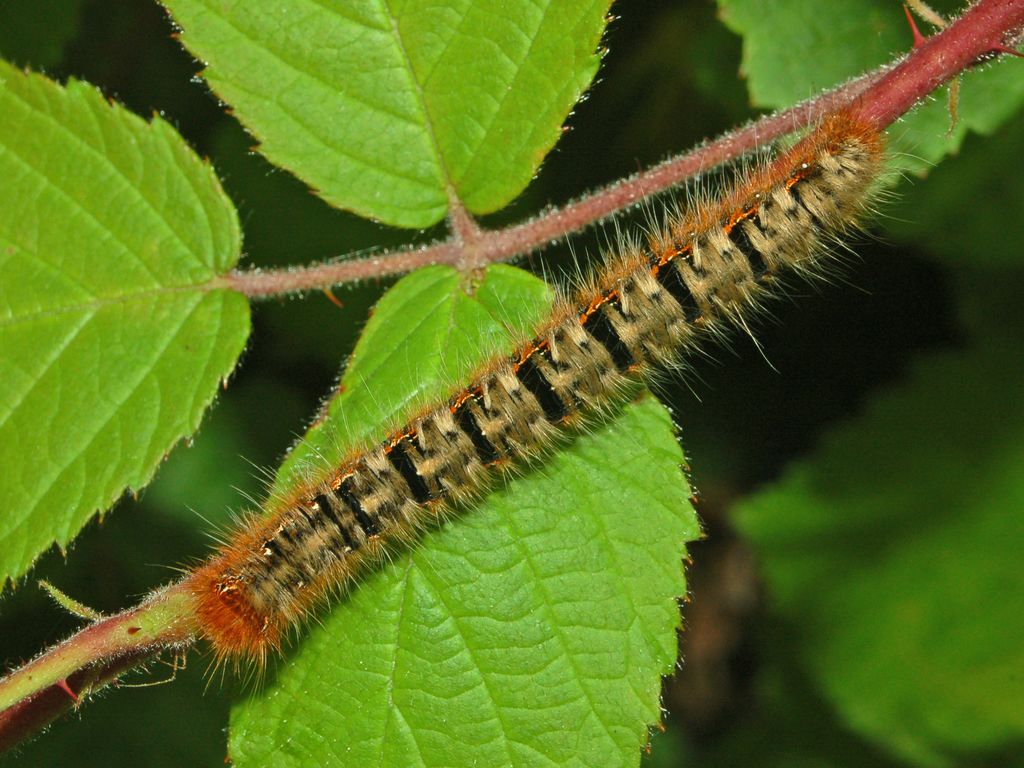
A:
(895, 554)
(964, 213)
(532, 630)
(446, 327)
(394, 109)
(844, 38)
(112, 339)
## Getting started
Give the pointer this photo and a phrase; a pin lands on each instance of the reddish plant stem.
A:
(40, 691)
(879, 98)
(471, 246)
(984, 29)
(37, 693)
(466, 234)
(29, 716)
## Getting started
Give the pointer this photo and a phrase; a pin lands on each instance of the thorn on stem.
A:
(997, 49)
(333, 299)
(63, 685)
(919, 39)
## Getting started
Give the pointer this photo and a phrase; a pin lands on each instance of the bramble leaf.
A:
(895, 555)
(112, 340)
(392, 110)
(550, 608)
(963, 213)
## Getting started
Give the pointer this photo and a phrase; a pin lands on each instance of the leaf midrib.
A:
(428, 121)
(105, 302)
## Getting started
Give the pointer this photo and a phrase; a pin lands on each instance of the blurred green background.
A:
(939, 272)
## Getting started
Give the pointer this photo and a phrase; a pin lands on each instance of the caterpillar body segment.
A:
(701, 274)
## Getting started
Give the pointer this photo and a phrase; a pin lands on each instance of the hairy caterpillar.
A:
(703, 272)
